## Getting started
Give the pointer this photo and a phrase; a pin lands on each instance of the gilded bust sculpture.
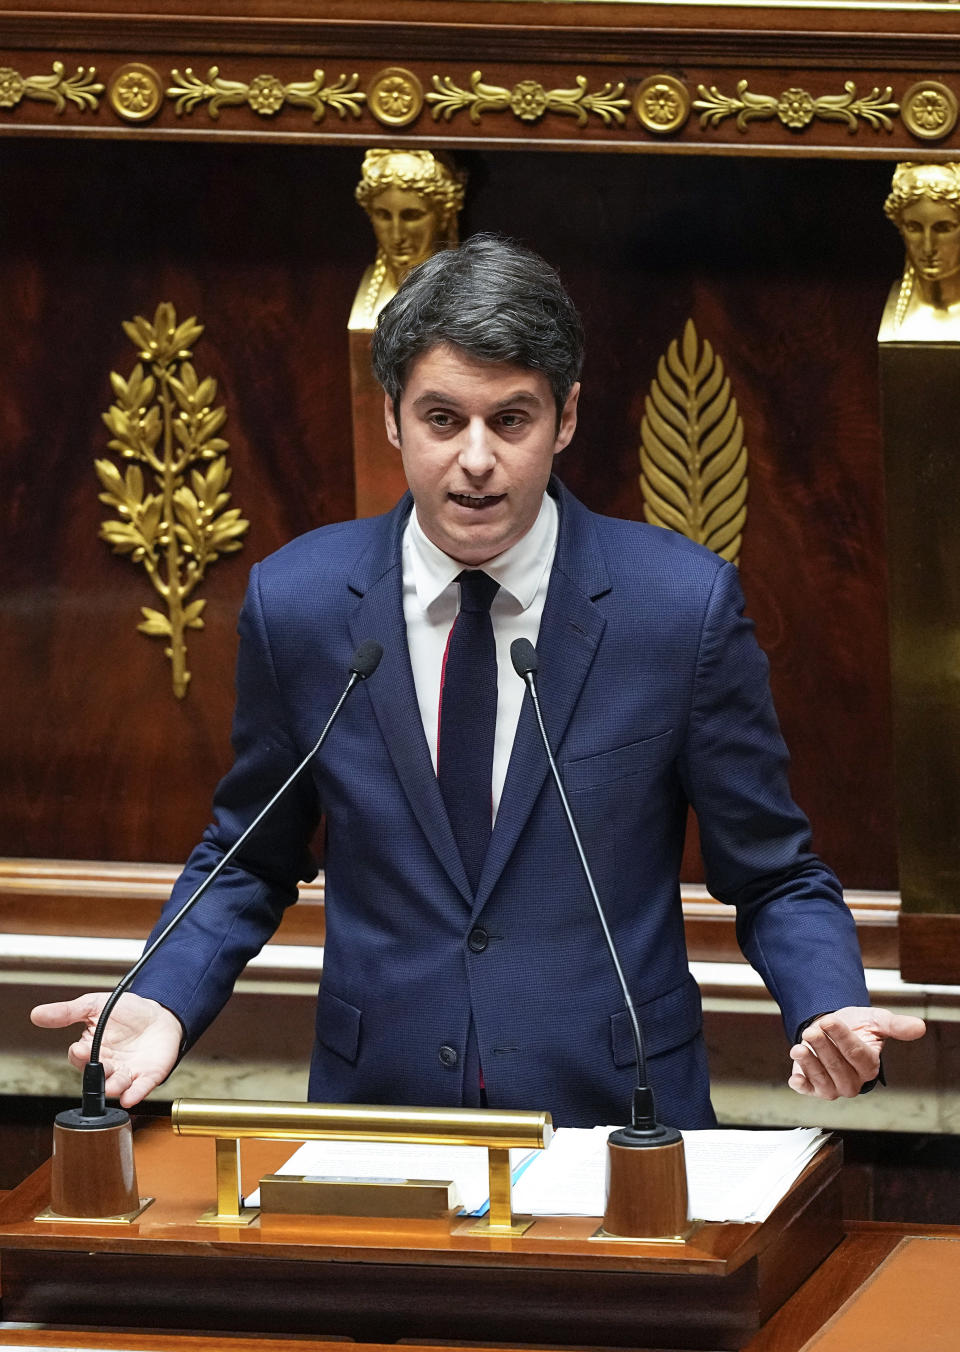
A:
(412, 198)
(924, 205)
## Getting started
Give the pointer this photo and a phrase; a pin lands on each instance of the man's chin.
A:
(475, 548)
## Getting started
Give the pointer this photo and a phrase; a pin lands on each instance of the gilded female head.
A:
(412, 198)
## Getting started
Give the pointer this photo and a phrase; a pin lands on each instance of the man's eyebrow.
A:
(526, 397)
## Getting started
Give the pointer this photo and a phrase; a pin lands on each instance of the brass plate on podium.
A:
(49, 1217)
(413, 1198)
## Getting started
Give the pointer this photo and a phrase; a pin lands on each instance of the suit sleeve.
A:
(792, 922)
(194, 972)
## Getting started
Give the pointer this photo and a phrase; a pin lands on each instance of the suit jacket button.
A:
(478, 940)
(448, 1055)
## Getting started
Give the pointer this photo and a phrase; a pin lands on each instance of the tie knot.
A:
(477, 590)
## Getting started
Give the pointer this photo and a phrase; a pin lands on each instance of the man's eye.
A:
(440, 419)
(511, 420)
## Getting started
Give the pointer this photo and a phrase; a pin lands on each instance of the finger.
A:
(139, 1087)
(798, 1082)
(832, 1037)
(845, 1075)
(901, 1027)
(118, 1081)
(815, 1077)
(61, 1013)
(78, 1053)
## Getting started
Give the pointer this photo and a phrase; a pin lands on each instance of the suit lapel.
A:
(379, 615)
(570, 631)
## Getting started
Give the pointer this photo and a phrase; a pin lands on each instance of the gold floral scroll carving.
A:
(80, 88)
(796, 108)
(528, 100)
(266, 94)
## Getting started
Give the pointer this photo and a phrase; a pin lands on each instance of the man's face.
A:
(478, 441)
(931, 231)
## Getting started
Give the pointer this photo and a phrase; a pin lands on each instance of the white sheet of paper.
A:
(731, 1175)
(465, 1165)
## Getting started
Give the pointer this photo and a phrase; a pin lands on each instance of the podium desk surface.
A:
(418, 1280)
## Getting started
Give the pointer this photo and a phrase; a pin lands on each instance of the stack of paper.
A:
(731, 1175)
(341, 1161)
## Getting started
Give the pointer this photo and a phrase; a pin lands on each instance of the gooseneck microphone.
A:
(643, 1114)
(365, 662)
(646, 1194)
(526, 663)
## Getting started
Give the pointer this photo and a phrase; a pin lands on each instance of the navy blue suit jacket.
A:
(655, 697)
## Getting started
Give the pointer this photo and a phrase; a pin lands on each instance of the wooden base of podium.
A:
(382, 1281)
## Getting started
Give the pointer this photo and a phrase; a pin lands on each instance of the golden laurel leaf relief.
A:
(172, 520)
(693, 461)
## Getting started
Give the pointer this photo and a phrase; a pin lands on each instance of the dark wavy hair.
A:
(495, 299)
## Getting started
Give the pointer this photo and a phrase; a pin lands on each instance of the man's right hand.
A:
(141, 1043)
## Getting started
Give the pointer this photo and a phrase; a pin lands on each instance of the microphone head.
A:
(523, 655)
(366, 659)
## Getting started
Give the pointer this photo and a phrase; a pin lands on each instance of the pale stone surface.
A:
(259, 1048)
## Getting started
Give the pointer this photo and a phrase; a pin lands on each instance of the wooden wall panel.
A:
(100, 760)
(784, 267)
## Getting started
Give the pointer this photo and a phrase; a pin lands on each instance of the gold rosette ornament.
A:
(164, 421)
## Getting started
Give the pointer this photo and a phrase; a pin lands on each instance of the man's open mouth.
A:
(475, 501)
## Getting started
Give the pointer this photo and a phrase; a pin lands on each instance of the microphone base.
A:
(646, 1185)
(93, 1174)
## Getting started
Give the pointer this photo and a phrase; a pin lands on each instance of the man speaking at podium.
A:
(464, 963)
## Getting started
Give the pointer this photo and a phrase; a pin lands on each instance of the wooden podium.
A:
(381, 1281)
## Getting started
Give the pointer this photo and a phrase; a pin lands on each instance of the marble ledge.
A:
(250, 1053)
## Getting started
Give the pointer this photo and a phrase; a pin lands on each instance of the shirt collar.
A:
(519, 569)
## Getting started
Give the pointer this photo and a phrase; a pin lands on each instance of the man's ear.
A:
(568, 419)
(390, 418)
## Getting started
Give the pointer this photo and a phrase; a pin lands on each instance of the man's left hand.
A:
(839, 1053)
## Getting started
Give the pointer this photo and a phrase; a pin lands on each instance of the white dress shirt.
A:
(431, 600)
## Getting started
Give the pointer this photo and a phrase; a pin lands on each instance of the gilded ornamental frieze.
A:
(515, 100)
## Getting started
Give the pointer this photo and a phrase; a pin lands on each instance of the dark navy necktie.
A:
(468, 721)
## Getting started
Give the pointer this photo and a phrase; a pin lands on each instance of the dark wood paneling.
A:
(930, 948)
(100, 761)
(784, 268)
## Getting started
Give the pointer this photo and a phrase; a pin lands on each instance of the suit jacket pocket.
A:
(636, 758)
(666, 1022)
(338, 1025)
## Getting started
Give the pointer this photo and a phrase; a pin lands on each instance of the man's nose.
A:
(476, 453)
